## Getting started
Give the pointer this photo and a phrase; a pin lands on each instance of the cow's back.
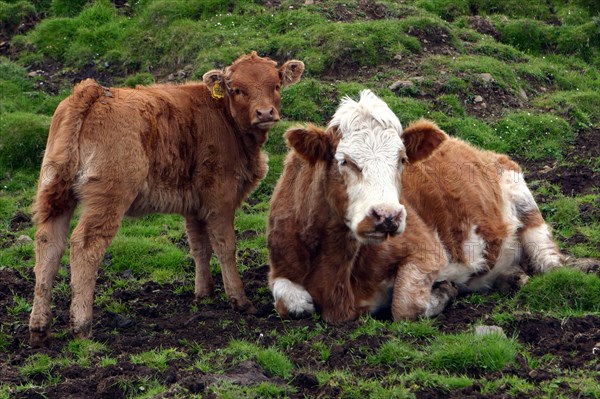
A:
(173, 144)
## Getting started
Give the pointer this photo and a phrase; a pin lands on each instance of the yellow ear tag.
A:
(217, 92)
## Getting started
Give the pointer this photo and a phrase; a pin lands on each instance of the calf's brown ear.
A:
(213, 77)
(311, 143)
(421, 138)
(290, 72)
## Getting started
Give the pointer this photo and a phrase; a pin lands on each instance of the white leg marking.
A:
(542, 251)
(294, 297)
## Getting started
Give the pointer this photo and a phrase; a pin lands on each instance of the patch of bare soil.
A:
(574, 176)
(158, 317)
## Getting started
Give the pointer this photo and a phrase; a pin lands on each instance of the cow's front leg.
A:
(222, 238)
(414, 294)
(201, 250)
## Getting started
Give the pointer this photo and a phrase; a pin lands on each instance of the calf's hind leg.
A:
(100, 219)
(50, 243)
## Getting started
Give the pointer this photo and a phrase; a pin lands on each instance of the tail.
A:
(61, 158)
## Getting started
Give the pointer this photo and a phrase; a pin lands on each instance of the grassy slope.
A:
(544, 94)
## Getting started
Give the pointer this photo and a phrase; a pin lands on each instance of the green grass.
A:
(562, 292)
(467, 352)
(157, 358)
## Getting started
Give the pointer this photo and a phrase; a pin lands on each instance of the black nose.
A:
(386, 221)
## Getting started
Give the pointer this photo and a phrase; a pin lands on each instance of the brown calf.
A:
(193, 149)
(366, 215)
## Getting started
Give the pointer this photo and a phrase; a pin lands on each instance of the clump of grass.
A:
(562, 292)
(582, 107)
(534, 136)
(270, 359)
(23, 140)
(275, 362)
(467, 352)
(421, 378)
(157, 358)
(526, 34)
(142, 78)
(20, 306)
(474, 131)
(395, 353)
(563, 214)
(13, 15)
(84, 350)
(40, 365)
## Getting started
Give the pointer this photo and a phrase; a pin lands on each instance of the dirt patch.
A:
(159, 317)
(574, 175)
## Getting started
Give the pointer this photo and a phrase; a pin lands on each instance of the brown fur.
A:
(447, 187)
(193, 149)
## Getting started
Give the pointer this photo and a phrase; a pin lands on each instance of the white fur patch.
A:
(542, 251)
(474, 251)
(294, 296)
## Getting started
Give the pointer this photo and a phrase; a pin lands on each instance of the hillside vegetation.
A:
(518, 77)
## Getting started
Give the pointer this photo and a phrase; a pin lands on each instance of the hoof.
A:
(447, 289)
(39, 339)
(82, 332)
(244, 306)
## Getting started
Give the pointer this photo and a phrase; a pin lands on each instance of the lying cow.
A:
(193, 149)
(366, 216)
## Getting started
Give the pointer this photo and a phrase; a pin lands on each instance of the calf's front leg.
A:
(414, 294)
(222, 239)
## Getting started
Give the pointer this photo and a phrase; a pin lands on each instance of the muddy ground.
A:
(159, 317)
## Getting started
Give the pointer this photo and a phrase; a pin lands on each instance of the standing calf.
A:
(366, 215)
(193, 149)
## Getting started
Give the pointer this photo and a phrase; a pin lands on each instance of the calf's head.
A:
(366, 150)
(250, 88)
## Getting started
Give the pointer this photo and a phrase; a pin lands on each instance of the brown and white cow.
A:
(366, 215)
(192, 149)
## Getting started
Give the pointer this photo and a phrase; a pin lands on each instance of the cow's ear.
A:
(311, 142)
(421, 138)
(290, 72)
(210, 78)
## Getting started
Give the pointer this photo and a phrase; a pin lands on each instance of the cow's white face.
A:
(370, 157)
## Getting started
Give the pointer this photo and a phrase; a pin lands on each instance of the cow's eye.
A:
(404, 159)
(277, 88)
(343, 162)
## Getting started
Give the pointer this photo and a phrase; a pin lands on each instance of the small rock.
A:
(401, 84)
(487, 330)
(32, 74)
(478, 99)
(533, 373)
(523, 95)
(486, 77)
(23, 239)
(546, 169)
(309, 2)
